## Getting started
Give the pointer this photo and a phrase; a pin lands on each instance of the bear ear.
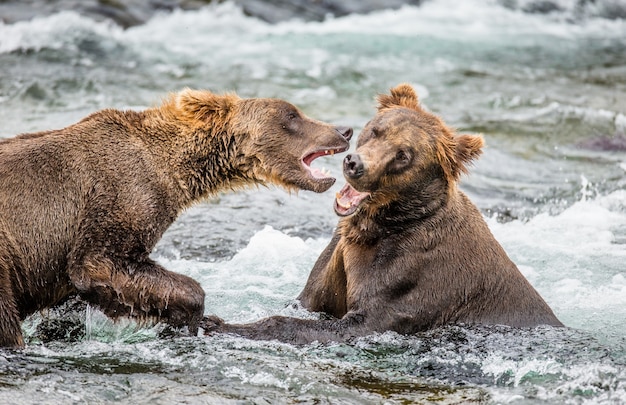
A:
(202, 105)
(455, 153)
(402, 95)
(468, 148)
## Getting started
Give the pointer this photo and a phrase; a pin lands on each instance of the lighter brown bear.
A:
(82, 207)
(411, 252)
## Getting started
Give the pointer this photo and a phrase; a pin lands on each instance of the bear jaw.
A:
(348, 200)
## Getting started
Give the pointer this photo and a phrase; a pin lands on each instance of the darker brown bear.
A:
(411, 251)
(82, 207)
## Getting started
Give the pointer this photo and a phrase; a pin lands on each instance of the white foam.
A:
(588, 378)
(575, 259)
(216, 28)
(497, 366)
(221, 28)
(260, 378)
(620, 123)
(585, 228)
(56, 31)
(467, 20)
(259, 280)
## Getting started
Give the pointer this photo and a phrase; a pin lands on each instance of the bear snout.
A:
(353, 166)
(345, 132)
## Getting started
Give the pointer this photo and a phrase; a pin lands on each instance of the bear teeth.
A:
(341, 203)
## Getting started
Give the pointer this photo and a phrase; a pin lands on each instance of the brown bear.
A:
(411, 251)
(82, 207)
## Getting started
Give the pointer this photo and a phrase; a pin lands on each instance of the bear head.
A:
(269, 140)
(406, 164)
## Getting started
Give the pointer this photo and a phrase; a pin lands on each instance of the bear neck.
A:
(214, 165)
(202, 161)
(416, 206)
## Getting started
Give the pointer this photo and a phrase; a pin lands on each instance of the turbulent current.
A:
(547, 91)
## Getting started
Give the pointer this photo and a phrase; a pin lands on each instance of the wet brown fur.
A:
(417, 254)
(82, 207)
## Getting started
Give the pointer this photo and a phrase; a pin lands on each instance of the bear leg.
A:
(142, 290)
(10, 329)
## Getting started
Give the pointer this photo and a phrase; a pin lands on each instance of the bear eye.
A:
(402, 156)
(400, 162)
(290, 121)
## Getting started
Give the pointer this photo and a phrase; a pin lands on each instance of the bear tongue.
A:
(314, 172)
(348, 200)
(319, 174)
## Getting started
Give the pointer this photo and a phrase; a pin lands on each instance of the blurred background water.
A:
(547, 90)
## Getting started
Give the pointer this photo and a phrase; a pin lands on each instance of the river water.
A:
(548, 91)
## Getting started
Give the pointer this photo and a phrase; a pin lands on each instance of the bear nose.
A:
(353, 166)
(346, 132)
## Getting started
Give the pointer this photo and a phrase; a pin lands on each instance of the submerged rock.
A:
(126, 13)
(576, 9)
(274, 11)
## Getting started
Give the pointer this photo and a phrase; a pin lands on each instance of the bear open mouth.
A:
(317, 174)
(348, 200)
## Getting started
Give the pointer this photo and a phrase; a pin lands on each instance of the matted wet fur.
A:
(82, 207)
(411, 252)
